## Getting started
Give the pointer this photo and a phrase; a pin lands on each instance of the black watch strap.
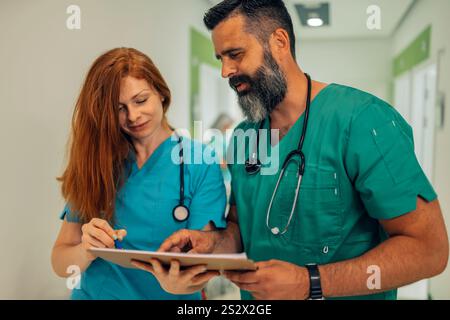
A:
(315, 291)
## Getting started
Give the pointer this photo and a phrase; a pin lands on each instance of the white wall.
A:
(42, 67)
(434, 12)
(363, 64)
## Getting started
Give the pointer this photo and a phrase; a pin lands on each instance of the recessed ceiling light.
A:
(315, 22)
(314, 15)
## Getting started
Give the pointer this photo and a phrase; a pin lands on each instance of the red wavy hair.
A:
(97, 146)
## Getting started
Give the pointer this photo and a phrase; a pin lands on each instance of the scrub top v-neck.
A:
(144, 207)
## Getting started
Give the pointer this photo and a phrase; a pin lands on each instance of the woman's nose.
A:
(133, 115)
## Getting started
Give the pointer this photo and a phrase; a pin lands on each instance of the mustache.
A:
(234, 81)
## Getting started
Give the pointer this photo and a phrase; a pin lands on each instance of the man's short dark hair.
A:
(262, 17)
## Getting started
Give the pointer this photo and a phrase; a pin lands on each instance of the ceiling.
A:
(348, 18)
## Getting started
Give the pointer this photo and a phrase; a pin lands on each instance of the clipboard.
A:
(218, 262)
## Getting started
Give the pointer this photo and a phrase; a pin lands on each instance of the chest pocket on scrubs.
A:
(317, 220)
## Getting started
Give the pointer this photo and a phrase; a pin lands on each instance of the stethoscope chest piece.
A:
(180, 213)
(252, 168)
(275, 231)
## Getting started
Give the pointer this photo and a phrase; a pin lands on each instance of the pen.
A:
(117, 242)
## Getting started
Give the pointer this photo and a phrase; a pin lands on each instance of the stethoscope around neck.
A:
(181, 212)
(253, 166)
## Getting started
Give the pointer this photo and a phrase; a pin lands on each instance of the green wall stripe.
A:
(417, 52)
(202, 52)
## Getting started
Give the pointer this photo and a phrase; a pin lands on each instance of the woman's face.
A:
(140, 108)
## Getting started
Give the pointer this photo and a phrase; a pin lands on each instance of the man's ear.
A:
(280, 44)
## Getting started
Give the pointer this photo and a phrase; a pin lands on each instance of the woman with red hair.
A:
(122, 182)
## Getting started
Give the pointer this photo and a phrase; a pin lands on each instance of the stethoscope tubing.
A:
(252, 168)
(181, 206)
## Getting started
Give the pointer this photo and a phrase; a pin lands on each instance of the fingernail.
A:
(114, 236)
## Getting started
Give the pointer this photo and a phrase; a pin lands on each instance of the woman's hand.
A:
(99, 234)
(178, 281)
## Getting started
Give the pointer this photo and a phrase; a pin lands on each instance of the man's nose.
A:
(228, 69)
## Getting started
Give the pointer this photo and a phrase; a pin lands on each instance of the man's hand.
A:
(209, 240)
(273, 280)
(190, 241)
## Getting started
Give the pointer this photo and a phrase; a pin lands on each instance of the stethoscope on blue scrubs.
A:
(253, 166)
(181, 212)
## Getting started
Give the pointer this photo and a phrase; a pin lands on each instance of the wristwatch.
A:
(315, 288)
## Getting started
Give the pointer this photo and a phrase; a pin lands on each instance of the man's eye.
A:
(235, 55)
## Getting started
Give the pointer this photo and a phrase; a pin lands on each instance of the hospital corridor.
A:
(397, 51)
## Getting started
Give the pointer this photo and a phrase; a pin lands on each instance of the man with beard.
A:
(350, 216)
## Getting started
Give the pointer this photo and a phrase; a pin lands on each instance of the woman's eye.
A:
(141, 101)
(121, 109)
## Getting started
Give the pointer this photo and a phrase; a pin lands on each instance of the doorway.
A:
(415, 99)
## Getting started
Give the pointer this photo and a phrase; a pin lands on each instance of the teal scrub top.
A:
(144, 208)
(360, 168)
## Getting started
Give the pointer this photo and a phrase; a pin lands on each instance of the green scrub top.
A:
(360, 168)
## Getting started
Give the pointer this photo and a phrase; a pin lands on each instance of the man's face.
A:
(252, 71)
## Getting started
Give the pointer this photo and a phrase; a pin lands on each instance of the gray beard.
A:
(267, 90)
(253, 108)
